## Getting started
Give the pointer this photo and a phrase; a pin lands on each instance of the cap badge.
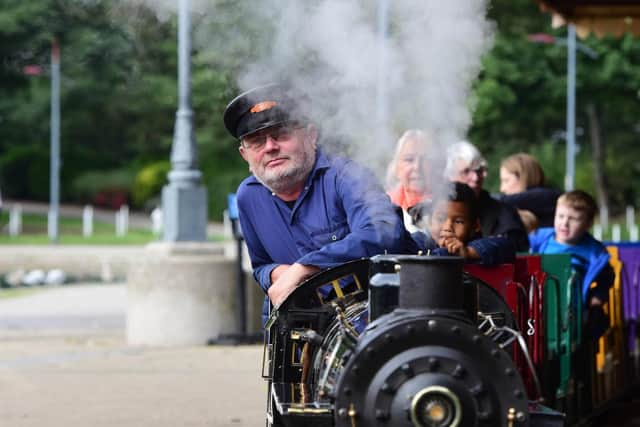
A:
(262, 106)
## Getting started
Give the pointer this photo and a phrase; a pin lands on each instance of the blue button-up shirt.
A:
(341, 215)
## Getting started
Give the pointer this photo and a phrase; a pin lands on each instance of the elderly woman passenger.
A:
(408, 176)
(465, 164)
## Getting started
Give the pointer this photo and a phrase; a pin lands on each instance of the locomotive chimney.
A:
(431, 282)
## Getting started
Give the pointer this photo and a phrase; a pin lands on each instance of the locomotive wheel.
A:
(425, 370)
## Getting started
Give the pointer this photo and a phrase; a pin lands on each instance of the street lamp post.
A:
(184, 199)
(569, 178)
(54, 161)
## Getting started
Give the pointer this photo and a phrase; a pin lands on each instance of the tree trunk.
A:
(598, 156)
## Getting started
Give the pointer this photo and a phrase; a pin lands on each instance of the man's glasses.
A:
(480, 171)
(257, 140)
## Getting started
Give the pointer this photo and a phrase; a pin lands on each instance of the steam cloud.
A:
(366, 89)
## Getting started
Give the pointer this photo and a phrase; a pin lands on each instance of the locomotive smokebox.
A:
(431, 282)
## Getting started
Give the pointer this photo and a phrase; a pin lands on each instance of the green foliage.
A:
(149, 181)
(520, 101)
(25, 172)
(88, 184)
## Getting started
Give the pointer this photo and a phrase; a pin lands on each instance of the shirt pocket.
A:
(325, 236)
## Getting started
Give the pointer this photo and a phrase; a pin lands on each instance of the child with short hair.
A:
(574, 215)
(454, 229)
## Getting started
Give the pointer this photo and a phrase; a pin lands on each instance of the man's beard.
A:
(285, 180)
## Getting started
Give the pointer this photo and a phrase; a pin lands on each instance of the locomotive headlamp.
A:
(435, 406)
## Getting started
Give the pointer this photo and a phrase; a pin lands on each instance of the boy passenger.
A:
(454, 229)
(574, 215)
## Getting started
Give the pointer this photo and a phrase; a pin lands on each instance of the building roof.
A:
(600, 17)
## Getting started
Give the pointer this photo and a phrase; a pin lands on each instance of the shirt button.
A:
(273, 194)
(334, 237)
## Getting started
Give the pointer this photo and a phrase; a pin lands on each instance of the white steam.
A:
(333, 50)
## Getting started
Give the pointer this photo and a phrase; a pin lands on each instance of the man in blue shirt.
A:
(302, 211)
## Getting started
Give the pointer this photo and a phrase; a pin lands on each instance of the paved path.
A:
(64, 362)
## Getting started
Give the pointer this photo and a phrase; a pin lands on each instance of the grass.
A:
(6, 293)
(34, 232)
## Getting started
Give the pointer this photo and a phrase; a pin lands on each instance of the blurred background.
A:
(119, 98)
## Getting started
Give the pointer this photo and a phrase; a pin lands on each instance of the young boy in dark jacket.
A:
(454, 229)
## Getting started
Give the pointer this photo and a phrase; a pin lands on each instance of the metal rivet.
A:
(381, 414)
(484, 415)
(475, 339)
(518, 394)
(432, 324)
(456, 330)
(509, 371)
(495, 353)
(458, 372)
(407, 370)
(342, 412)
(521, 417)
(433, 363)
(477, 389)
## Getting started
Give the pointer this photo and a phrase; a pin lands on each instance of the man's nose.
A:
(270, 143)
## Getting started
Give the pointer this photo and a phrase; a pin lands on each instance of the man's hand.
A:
(288, 279)
(277, 272)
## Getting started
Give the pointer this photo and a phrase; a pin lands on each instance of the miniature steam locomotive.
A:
(398, 341)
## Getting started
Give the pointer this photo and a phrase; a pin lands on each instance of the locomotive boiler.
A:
(396, 341)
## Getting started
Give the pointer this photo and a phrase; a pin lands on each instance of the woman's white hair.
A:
(465, 151)
(409, 135)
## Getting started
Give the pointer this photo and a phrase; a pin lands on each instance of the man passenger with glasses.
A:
(465, 164)
(301, 210)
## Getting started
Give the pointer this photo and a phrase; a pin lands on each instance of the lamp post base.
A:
(185, 213)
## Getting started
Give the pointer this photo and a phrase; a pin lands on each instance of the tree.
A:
(520, 102)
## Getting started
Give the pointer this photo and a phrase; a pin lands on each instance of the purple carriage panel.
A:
(629, 254)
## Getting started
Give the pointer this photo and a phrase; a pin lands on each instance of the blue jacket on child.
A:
(588, 256)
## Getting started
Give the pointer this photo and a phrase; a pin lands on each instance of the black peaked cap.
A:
(263, 107)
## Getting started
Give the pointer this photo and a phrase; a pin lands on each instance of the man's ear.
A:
(241, 149)
(312, 135)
